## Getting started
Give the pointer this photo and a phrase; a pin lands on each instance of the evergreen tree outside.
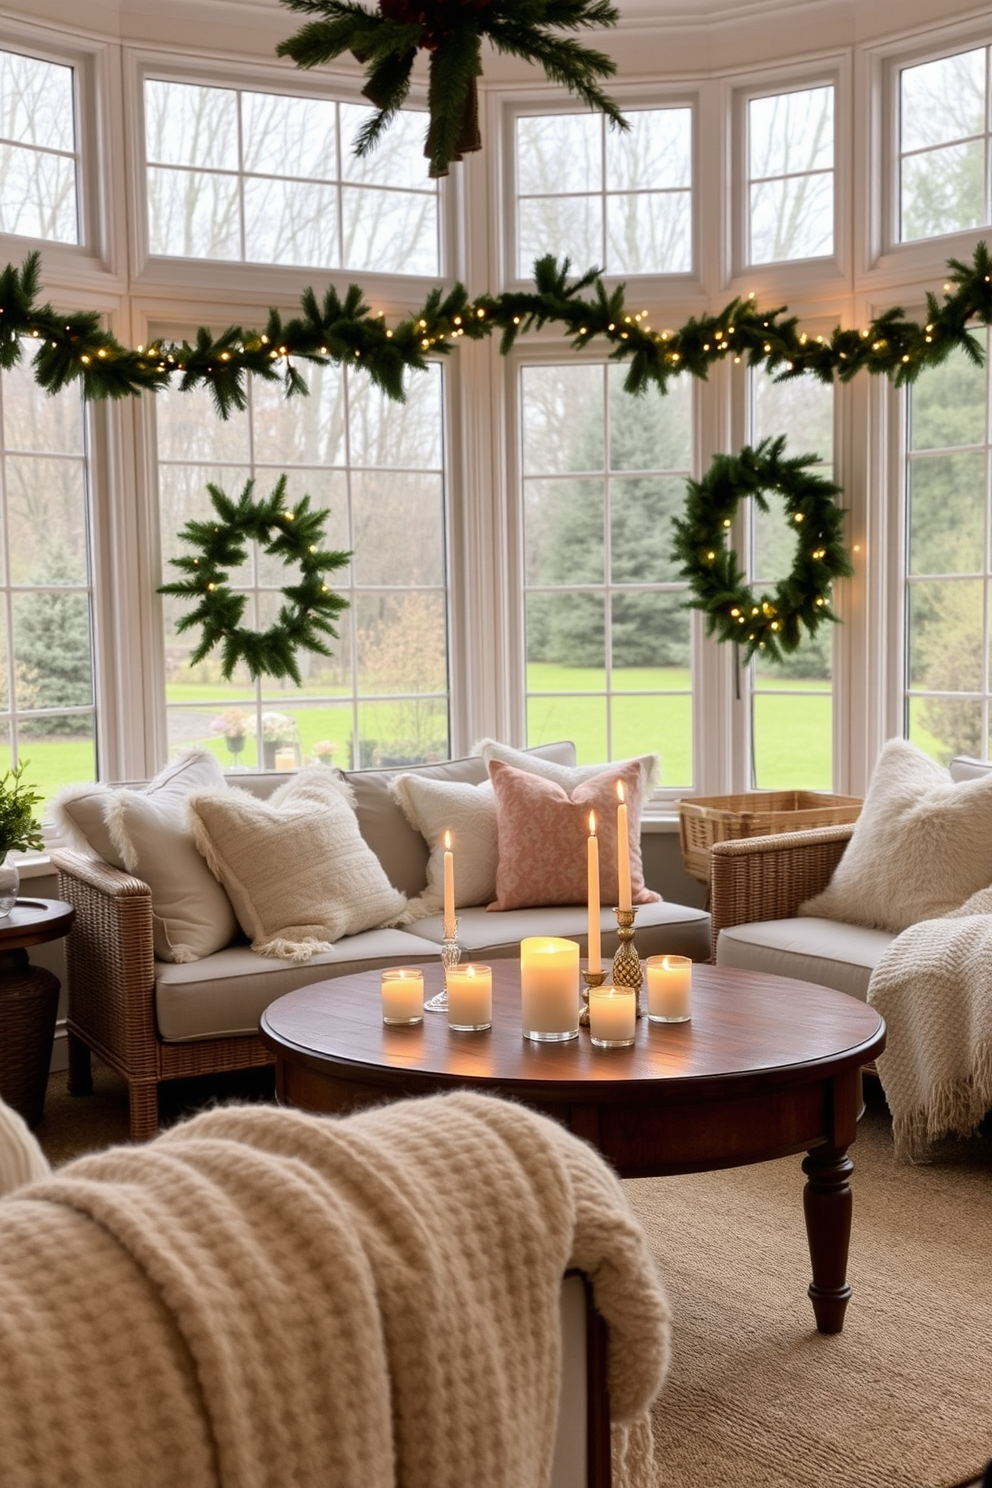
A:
(52, 640)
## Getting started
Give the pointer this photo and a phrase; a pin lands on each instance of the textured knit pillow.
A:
(544, 831)
(298, 871)
(146, 831)
(921, 846)
(469, 813)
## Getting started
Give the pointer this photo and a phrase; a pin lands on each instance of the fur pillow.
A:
(297, 869)
(921, 846)
(544, 830)
(145, 831)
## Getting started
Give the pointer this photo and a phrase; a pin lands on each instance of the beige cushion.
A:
(295, 866)
(469, 813)
(661, 929)
(921, 846)
(811, 950)
(568, 776)
(146, 831)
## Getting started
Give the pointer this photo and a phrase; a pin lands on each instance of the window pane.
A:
(397, 528)
(651, 433)
(384, 432)
(792, 741)
(192, 215)
(649, 233)
(563, 526)
(947, 405)
(942, 101)
(545, 141)
(397, 160)
(562, 419)
(649, 631)
(793, 218)
(581, 719)
(943, 191)
(393, 232)
(37, 158)
(192, 126)
(290, 222)
(947, 513)
(289, 136)
(945, 623)
(659, 725)
(656, 152)
(567, 226)
(300, 431)
(790, 171)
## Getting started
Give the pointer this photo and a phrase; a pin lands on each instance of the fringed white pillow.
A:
(296, 867)
(433, 807)
(145, 831)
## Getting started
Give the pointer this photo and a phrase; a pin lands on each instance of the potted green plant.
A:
(19, 830)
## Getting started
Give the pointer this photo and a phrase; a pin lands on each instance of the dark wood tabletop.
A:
(766, 1067)
(34, 922)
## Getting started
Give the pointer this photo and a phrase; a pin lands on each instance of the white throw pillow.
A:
(567, 776)
(146, 831)
(921, 846)
(469, 813)
(297, 869)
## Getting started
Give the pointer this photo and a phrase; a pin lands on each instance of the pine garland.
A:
(386, 44)
(771, 622)
(73, 349)
(293, 534)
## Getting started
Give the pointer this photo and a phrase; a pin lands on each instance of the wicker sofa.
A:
(155, 1021)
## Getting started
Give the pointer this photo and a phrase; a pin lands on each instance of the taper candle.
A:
(449, 888)
(595, 948)
(623, 849)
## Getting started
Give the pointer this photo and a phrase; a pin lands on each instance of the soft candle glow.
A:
(669, 988)
(402, 995)
(623, 849)
(470, 997)
(285, 758)
(449, 889)
(592, 864)
(612, 1016)
(549, 988)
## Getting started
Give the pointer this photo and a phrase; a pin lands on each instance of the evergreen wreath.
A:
(773, 623)
(386, 44)
(292, 533)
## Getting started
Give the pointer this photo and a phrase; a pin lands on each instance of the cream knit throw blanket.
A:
(933, 987)
(267, 1299)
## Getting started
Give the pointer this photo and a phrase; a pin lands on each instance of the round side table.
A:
(29, 1000)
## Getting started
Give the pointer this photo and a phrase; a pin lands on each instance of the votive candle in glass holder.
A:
(669, 989)
(612, 1016)
(549, 988)
(470, 997)
(402, 995)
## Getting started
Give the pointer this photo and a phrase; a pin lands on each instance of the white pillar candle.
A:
(470, 996)
(612, 1016)
(623, 849)
(402, 994)
(669, 988)
(285, 757)
(549, 988)
(592, 871)
(449, 889)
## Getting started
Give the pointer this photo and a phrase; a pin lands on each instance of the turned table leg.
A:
(827, 1206)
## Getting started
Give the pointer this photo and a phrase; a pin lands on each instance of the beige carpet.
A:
(757, 1398)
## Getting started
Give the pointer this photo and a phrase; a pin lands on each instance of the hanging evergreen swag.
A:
(292, 533)
(772, 623)
(386, 43)
(72, 347)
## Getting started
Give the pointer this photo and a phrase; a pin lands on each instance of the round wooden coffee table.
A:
(29, 999)
(768, 1066)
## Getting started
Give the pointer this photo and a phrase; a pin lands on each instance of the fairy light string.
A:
(343, 330)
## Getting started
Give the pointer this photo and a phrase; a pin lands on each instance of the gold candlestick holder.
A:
(626, 962)
(589, 979)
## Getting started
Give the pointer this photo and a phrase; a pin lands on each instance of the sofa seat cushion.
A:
(660, 929)
(813, 950)
(226, 995)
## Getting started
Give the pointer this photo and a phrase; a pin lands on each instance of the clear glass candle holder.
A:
(402, 996)
(669, 981)
(612, 1016)
(470, 997)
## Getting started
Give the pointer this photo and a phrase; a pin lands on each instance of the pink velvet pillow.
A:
(543, 831)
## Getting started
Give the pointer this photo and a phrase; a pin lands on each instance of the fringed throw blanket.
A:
(933, 987)
(267, 1299)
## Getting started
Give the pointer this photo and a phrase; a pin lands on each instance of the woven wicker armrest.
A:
(110, 958)
(767, 878)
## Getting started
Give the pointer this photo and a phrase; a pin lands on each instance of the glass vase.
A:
(10, 882)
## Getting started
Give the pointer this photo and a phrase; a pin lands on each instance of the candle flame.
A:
(620, 795)
(470, 971)
(592, 824)
(447, 841)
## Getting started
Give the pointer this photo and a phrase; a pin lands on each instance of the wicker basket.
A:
(708, 819)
